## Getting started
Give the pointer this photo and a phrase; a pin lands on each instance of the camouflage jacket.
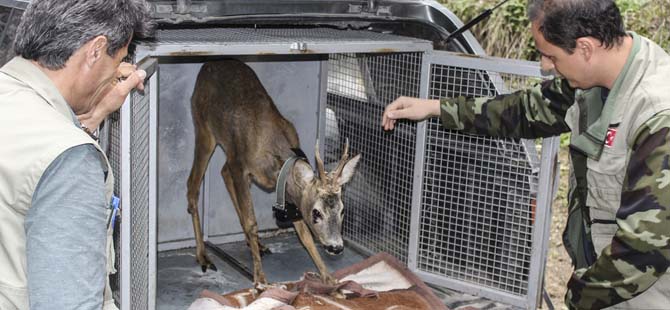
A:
(618, 229)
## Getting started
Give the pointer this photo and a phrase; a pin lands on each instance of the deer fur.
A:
(231, 108)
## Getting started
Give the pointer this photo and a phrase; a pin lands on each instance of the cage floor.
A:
(180, 278)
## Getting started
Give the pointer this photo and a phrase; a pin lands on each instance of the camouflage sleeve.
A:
(531, 113)
(640, 250)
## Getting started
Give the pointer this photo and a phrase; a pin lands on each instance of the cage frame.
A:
(430, 57)
(548, 180)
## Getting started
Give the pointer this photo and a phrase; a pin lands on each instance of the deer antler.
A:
(319, 162)
(343, 160)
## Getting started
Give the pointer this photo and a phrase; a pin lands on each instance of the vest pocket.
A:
(605, 182)
(612, 162)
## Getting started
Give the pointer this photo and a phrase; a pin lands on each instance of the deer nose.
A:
(334, 249)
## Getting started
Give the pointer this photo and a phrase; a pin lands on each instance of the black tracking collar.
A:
(286, 213)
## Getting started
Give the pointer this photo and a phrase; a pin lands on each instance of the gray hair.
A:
(52, 30)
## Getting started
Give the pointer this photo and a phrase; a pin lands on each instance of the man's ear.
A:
(96, 49)
(585, 46)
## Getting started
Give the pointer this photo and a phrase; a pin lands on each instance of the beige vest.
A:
(633, 102)
(35, 127)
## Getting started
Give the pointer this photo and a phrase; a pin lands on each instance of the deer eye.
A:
(316, 216)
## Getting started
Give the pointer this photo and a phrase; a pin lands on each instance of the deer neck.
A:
(294, 188)
(291, 184)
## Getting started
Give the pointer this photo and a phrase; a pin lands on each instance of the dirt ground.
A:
(559, 268)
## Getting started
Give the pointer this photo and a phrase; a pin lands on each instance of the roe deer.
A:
(231, 108)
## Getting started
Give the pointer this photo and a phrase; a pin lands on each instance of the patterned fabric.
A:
(640, 250)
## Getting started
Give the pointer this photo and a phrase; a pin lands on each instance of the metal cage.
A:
(466, 212)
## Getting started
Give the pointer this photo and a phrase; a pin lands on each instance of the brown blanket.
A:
(379, 282)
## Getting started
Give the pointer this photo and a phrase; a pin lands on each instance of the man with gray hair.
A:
(55, 181)
(611, 93)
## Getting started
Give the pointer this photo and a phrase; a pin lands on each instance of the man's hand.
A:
(112, 96)
(410, 108)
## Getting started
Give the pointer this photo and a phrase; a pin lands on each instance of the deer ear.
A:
(348, 170)
(303, 172)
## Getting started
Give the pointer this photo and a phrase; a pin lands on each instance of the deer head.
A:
(320, 198)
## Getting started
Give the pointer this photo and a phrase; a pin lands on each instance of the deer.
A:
(232, 109)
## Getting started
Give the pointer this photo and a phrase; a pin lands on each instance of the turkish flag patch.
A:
(609, 139)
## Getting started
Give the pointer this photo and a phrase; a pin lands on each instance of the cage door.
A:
(138, 193)
(480, 215)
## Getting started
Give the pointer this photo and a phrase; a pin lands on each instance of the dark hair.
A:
(562, 22)
(52, 30)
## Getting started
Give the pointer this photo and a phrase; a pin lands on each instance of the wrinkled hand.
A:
(409, 108)
(111, 97)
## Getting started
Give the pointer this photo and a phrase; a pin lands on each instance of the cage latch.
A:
(299, 46)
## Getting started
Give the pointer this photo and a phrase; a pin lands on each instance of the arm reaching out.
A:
(410, 108)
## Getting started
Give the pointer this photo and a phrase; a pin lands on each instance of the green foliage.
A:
(506, 33)
(650, 18)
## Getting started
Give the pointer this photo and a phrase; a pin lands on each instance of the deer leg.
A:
(204, 147)
(238, 187)
(308, 242)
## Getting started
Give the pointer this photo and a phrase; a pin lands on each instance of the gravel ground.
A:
(559, 268)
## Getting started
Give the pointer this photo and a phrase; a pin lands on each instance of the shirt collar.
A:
(25, 71)
(592, 140)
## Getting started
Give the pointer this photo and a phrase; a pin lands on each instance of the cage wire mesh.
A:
(139, 196)
(478, 202)
(259, 35)
(378, 199)
(9, 21)
(114, 157)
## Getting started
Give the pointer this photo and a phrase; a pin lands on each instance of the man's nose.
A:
(546, 64)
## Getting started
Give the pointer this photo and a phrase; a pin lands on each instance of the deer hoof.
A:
(259, 288)
(210, 266)
(329, 280)
(265, 251)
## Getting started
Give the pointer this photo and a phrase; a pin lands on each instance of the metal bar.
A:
(282, 48)
(417, 187)
(153, 173)
(17, 4)
(473, 289)
(541, 226)
(499, 65)
(148, 64)
(323, 103)
(126, 209)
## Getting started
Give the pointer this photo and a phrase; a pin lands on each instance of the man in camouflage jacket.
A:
(612, 92)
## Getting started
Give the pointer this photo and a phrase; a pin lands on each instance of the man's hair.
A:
(52, 30)
(562, 22)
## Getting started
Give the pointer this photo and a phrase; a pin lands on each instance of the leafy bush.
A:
(506, 33)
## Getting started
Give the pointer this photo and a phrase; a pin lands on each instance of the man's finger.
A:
(134, 80)
(124, 70)
(399, 113)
